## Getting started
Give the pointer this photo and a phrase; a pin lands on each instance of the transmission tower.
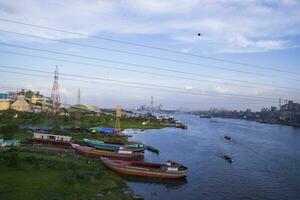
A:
(55, 92)
(78, 96)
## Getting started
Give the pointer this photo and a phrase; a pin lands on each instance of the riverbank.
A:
(39, 175)
(28, 173)
(72, 120)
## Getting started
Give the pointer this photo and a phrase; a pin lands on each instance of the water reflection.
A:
(168, 184)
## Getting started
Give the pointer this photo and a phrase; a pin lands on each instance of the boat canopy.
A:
(36, 128)
(103, 130)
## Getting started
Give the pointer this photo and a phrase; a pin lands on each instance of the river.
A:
(266, 160)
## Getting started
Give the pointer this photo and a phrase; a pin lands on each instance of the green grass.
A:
(30, 175)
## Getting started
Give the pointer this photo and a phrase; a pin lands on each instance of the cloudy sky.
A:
(262, 35)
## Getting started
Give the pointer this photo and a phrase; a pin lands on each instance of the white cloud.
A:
(232, 25)
(187, 87)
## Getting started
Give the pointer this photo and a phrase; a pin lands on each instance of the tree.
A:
(29, 94)
(9, 131)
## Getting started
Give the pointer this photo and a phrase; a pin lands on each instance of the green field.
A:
(30, 175)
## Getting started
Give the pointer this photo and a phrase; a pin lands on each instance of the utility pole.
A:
(78, 96)
(55, 92)
(118, 116)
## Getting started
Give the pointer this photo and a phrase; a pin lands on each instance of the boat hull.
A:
(94, 153)
(112, 146)
(135, 171)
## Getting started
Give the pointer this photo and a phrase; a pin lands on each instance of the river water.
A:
(266, 160)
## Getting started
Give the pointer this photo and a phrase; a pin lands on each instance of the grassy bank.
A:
(11, 117)
(30, 175)
(84, 121)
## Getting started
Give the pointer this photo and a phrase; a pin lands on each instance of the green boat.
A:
(114, 146)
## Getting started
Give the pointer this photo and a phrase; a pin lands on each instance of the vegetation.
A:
(31, 175)
(86, 120)
(10, 120)
(8, 131)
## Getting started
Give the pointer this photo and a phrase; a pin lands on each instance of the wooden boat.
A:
(171, 170)
(114, 145)
(153, 149)
(96, 153)
(56, 140)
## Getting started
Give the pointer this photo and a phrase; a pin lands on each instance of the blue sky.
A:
(264, 33)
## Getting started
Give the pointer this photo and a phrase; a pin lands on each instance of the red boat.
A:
(97, 153)
(171, 170)
(56, 140)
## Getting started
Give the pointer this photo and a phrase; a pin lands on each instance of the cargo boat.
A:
(114, 145)
(97, 153)
(56, 140)
(171, 170)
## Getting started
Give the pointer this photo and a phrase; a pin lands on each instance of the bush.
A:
(9, 131)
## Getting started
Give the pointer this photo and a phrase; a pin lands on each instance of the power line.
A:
(160, 102)
(136, 65)
(144, 55)
(151, 47)
(153, 85)
(137, 83)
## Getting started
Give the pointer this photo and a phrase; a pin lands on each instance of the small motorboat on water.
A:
(228, 158)
(227, 137)
(121, 154)
(170, 170)
(111, 145)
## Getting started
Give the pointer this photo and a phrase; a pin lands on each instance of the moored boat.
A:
(171, 170)
(56, 140)
(97, 153)
(114, 145)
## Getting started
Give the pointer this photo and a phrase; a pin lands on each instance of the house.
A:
(4, 101)
(20, 104)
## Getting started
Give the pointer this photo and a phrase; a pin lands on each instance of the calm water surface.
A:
(266, 160)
